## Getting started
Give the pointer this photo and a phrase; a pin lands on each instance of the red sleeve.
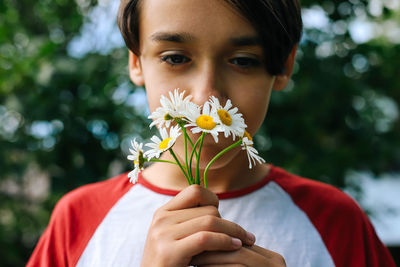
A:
(345, 229)
(74, 221)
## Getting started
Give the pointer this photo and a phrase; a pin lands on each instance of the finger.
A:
(192, 196)
(211, 223)
(163, 217)
(265, 252)
(218, 257)
(180, 216)
(222, 265)
(207, 241)
(242, 256)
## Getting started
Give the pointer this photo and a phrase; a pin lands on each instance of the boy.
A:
(237, 50)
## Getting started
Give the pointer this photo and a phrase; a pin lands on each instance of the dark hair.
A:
(277, 22)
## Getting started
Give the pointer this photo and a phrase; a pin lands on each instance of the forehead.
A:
(203, 19)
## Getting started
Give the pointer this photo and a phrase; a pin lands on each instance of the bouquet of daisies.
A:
(180, 115)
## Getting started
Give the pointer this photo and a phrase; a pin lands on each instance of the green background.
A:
(66, 121)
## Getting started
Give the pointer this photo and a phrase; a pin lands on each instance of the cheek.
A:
(158, 84)
(254, 108)
(154, 89)
(153, 97)
(255, 117)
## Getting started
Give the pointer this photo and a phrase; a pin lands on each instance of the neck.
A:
(232, 176)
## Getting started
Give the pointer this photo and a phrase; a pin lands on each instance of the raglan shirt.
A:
(309, 223)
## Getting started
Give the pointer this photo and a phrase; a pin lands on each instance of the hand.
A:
(190, 224)
(246, 256)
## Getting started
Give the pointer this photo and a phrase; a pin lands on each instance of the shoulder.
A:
(97, 195)
(83, 209)
(345, 229)
(312, 195)
(324, 204)
(74, 220)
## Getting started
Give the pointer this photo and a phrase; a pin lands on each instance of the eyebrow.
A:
(246, 41)
(172, 37)
(185, 37)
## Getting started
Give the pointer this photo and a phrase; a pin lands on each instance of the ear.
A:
(281, 80)
(135, 69)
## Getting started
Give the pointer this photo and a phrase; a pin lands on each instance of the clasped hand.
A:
(188, 230)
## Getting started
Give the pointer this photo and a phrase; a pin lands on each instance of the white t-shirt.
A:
(309, 223)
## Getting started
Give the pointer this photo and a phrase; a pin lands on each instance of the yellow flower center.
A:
(164, 143)
(205, 122)
(224, 117)
(167, 117)
(246, 134)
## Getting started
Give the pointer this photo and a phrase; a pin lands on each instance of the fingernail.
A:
(237, 243)
(250, 237)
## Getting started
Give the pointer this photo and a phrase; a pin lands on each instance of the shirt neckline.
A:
(222, 195)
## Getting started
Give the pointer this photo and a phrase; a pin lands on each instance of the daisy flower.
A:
(166, 142)
(203, 121)
(138, 160)
(252, 153)
(171, 108)
(136, 153)
(228, 117)
(134, 175)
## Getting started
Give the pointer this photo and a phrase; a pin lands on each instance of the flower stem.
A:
(194, 152)
(182, 125)
(188, 168)
(160, 160)
(198, 158)
(216, 157)
(180, 166)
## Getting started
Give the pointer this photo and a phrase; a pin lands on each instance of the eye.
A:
(245, 62)
(175, 59)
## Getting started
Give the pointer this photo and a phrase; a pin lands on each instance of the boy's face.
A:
(206, 48)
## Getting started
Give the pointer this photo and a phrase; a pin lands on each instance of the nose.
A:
(208, 81)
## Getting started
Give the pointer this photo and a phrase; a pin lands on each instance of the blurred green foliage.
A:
(341, 113)
(64, 119)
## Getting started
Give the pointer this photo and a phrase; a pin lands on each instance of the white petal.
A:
(206, 108)
(163, 133)
(155, 139)
(152, 145)
(215, 136)
(196, 130)
(131, 157)
(228, 105)
(134, 175)
(233, 111)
